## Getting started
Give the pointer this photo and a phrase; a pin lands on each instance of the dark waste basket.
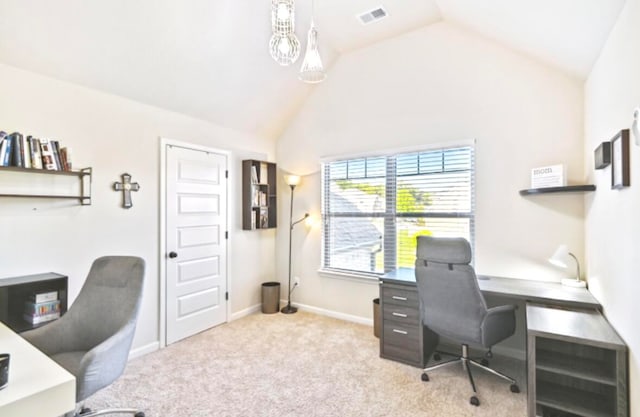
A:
(270, 297)
(376, 317)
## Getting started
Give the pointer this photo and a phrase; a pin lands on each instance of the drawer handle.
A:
(397, 297)
(400, 331)
(399, 315)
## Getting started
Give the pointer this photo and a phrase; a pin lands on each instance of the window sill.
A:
(370, 279)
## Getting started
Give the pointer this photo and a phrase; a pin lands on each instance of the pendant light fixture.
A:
(312, 71)
(284, 46)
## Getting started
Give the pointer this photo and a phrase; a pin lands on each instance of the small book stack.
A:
(42, 307)
(16, 150)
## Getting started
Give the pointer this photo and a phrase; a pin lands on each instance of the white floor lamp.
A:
(292, 181)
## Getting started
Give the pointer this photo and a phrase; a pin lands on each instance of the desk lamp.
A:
(560, 258)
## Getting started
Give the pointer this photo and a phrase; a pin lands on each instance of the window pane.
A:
(356, 168)
(435, 193)
(409, 229)
(407, 164)
(354, 243)
(357, 196)
(338, 170)
(376, 167)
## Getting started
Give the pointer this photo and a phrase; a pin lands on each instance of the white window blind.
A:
(374, 208)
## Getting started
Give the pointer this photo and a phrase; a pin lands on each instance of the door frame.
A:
(162, 302)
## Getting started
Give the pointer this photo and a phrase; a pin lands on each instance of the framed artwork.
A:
(620, 160)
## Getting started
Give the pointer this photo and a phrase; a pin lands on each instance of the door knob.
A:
(173, 255)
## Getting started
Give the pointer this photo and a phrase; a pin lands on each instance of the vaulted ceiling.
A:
(210, 59)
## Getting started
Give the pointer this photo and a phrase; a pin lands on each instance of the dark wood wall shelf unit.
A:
(575, 370)
(565, 189)
(83, 175)
(259, 195)
(16, 290)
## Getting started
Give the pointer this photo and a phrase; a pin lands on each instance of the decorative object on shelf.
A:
(635, 129)
(312, 71)
(620, 160)
(549, 176)
(292, 181)
(560, 258)
(126, 186)
(602, 155)
(284, 46)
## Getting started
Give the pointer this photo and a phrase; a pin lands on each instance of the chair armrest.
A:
(104, 363)
(498, 324)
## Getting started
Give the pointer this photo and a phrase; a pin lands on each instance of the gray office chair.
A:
(92, 340)
(452, 305)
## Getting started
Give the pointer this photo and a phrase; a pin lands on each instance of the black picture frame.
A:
(620, 160)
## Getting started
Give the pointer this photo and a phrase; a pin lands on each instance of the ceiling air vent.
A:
(372, 15)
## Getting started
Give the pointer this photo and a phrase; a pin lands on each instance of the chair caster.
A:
(83, 411)
(474, 401)
(436, 357)
(425, 377)
(489, 354)
(514, 388)
(484, 362)
(139, 414)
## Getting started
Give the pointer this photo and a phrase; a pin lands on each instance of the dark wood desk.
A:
(403, 338)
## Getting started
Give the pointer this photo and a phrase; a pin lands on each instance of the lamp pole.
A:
(288, 309)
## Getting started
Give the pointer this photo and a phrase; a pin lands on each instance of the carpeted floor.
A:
(299, 365)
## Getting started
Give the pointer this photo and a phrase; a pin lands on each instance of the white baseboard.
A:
(143, 350)
(330, 313)
(247, 311)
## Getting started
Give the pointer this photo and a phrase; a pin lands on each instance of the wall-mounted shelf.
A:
(84, 176)
(259, 195)
(565, 189)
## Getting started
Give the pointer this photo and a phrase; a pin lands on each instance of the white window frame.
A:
(390, 252)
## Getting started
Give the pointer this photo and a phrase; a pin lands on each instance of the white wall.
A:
(114, 135)
(434, 85)
(612, 92)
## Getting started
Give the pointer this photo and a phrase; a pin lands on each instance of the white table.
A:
(37, 385)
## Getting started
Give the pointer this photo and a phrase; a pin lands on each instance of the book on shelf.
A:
(254, 174)
(43, 318)
(264, 178)
(55, 146)
(16, 157)
(25, 151)
(264, 218)
(43, 297)
(65, 155)
(4, 146)
(36, 153)
(48, 161)
(41, 309)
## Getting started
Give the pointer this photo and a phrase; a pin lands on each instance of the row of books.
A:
(42, 307)
(260, 219)
(263, 174)
(259, 198)
(28, 152)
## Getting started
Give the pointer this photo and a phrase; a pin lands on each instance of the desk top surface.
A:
(37, 385)
(583, 326)
(536, 291)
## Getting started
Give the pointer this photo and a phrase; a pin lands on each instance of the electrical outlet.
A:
(296, 280)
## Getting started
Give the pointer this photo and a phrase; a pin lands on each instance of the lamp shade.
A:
(292, 179)
(560, 256)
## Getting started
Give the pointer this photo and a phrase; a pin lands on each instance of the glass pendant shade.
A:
(284, 46)
(312, 70)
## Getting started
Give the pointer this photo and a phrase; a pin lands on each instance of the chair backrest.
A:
(451, 303)
(108, 301)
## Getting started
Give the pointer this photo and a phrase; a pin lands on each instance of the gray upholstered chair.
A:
(92, 340)
(452, 305)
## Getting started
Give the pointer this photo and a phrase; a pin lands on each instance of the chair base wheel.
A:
(436, 357)
(425, 377)
(514, 388)
(474, 401)
(140, 414)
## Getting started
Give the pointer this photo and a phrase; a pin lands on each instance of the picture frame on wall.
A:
(620, 160)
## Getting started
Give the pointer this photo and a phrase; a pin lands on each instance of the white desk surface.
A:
(37, 385)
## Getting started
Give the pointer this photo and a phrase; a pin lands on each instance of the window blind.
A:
(374, 208)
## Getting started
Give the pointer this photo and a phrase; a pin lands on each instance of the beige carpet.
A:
(299, 365)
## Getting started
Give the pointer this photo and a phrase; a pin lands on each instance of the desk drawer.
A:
(411, 356)
(401, 314)
(399, 296)
(400, 334)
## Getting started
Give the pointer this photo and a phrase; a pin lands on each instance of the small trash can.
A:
(270, 297)
(376, 317)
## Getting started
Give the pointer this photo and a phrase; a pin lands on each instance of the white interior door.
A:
(196, 247)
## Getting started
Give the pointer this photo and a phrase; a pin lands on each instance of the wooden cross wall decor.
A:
(126, 186)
